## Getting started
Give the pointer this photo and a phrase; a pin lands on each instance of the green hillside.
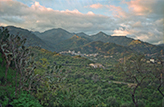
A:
(54, 36)
(103, 48)
(120, 40)
(107, 84)
(32, 40)
(144, 47)
(74, 42)
(84, 86)
(61, 40)
(81, 34)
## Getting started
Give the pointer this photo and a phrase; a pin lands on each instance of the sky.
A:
(138, 19)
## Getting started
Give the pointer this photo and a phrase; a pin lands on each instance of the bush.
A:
(141, 104)
(25, 100)
(112, 102)
(127, 105)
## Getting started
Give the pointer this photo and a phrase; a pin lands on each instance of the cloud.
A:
(120, 32)
(137, 24)
(145, 7)
(142, 19)
(40, 18)
(140, 7)
(96, 6)
(90, 13)
(117, 11)
(73, 11)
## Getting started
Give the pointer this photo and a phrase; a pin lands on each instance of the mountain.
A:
(161, 45)
(99, 36)
(54, 36)
(136, 45)
(103, 48)
(144, 47)
(120, 40)
(32, 39)
(60, 40)
(82, 34)
(73, 42)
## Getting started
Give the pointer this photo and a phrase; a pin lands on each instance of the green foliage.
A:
(111, 101)
(75, 85)
(102, 48)
(25, 100)
(6, 95)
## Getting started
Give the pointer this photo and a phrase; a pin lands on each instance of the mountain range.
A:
(61, 40)
(32, 39)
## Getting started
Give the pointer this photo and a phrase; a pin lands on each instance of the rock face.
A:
(96, 65)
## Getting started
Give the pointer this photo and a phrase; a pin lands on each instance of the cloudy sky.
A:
(138, 19)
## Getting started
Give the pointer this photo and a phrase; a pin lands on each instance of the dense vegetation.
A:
(47, 78)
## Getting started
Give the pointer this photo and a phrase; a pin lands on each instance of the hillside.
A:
(82, 34)
(144, 47)
(60, 40)
(73, 42)
(120, 40)
(67, 43)
(94, 86)
(32, 39)
(102, 48)
(135, 45)
(161, 45)
(54, 36)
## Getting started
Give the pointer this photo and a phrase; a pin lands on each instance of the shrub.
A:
(112, 102)
(126, 105)
(26, 100)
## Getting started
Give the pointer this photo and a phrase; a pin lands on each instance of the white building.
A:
(152, 60)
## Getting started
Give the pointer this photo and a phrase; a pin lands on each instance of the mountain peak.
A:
(59, 29)
(102, 34)
(81, 34)
(55, 30)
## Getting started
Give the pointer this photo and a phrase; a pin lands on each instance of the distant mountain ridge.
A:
(32, 39)
(60, 40)
(161, 45)
(54, 36)
(82, 34)
(144, 47)
(121, 40)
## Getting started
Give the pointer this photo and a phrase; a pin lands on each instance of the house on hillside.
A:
(152, 60)
(96, 65)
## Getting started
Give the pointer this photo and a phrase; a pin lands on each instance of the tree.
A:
(158, 74)
(6, 55)
(135, 69)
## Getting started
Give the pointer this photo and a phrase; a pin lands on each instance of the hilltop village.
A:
(78, 53)
(94, 57)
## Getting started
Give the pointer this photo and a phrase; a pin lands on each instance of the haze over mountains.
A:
(62, 40)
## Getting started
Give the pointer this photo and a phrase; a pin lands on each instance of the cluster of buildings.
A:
(151, 60)
(78, 53)
(151, 55)
(96, 65)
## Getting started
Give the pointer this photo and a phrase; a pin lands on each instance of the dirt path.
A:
(126, 83)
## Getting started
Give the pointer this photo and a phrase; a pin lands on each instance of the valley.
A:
(64, 77)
